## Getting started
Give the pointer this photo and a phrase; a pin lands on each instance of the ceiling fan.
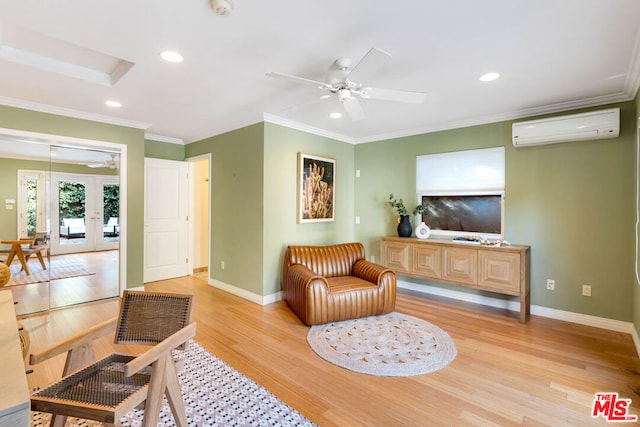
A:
(111, 164)
(347, 83)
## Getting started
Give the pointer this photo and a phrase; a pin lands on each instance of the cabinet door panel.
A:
(460, 265)
(499, 272)
(427, 261)
(396, 256)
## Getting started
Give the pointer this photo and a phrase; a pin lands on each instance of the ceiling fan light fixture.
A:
(221, 7)
(344, 95)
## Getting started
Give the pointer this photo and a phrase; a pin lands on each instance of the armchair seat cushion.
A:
(323, 284)
(348, 284)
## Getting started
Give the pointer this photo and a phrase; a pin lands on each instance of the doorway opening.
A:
(200, 207)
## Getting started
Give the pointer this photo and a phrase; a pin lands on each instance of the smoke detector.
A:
(221, 7)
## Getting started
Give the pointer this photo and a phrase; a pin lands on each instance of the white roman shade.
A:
(459, 172)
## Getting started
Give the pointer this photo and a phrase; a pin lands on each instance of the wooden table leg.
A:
(23, 260)
(16, 250)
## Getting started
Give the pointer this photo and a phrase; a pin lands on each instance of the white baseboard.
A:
(243, 293)
(583, 319)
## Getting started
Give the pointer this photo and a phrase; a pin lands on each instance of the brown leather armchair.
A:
(324, 284)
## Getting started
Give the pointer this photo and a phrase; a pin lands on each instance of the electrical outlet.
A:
(551, 284)
(586, 290)
(221, 265)
(372, 258)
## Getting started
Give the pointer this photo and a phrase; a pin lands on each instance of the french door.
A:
(78, 215)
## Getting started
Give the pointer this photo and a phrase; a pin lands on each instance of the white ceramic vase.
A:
(423, 231)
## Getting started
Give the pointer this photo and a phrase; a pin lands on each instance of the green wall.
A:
(253, 201)
(237, 167)
(164, 150)
(33, 121)
(281, 148)
(573, 203)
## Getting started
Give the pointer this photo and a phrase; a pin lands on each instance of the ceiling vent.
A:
(575, 127)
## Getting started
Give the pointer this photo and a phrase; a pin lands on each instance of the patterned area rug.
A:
(57, 268)
(391, 345)
(215, 394)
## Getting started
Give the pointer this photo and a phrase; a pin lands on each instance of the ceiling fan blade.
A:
(354, 109)
(320, 85)
(394, 95)
(368, 65)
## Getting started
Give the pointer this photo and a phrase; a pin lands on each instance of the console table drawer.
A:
(426, 261)
(460, 265)
(396, 257)
(499, 272)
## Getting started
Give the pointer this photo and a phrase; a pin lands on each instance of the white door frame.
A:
(193, 230)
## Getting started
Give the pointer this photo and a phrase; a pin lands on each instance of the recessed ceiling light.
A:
(489, 77)
(114, 104)
(335, 115)
(171, 56)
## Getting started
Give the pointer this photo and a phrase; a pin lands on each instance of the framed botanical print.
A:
(316, 188)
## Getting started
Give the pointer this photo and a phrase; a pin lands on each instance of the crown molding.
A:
(270, 118)
(67, 112)
(515, 115)
(627, 95)
(162, 138)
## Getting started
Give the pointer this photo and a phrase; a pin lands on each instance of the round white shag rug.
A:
(392, 345)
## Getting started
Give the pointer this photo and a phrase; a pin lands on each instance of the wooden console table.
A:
(503, 270)
(15, 403)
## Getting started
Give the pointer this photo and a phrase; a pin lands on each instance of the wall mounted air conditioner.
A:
(575, 127)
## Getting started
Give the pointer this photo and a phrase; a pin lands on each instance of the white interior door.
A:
(166, 207)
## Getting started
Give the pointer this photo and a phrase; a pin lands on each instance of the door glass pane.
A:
(111, 212)
(32, 206)
(72, 208)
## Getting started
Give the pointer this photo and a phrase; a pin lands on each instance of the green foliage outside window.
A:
(111, 201)
(71, 200)
(32, 201)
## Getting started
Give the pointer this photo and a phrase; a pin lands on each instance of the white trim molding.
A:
(67, 112)
(243, 293)
(583, 319)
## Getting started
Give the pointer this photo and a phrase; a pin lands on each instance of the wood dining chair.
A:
(109, 388)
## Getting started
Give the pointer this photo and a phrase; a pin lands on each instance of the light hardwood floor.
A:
(101, 284)
(545, 372)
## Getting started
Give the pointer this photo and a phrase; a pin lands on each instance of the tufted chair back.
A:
(326, 261)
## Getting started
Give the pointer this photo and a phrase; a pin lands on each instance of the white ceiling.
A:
(552, 55)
